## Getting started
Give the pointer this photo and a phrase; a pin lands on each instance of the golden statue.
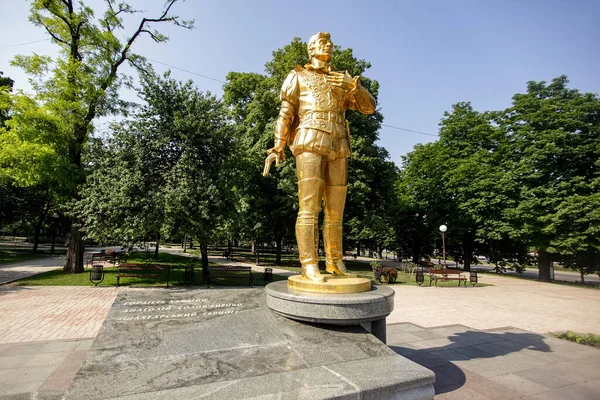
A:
(312, 122)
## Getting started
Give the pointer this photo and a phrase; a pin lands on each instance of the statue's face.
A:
(322, 49)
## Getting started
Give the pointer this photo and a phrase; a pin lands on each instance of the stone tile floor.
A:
(502, 363)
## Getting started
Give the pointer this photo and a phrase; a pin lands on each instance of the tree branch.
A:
(54, 36)
(91, 113)
(152, 35)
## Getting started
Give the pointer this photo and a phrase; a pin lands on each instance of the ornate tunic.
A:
(313, 118)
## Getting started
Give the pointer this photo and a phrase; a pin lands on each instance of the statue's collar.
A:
(323, 70)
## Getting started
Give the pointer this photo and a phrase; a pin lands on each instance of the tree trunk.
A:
(204, 252)
(544, 266)
(581, 269)
(38, 226)
(379, 256)
(74, 264)
(36, 235)
(184, 244)
(229, 250)
(156, 248)
(278, 253)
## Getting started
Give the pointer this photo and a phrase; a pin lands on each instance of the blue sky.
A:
(427, 55)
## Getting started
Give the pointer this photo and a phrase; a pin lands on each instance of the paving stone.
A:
(461, 393)
(573, 371)
(435, 344)
(18, 389)
(45, 359)
(572, 392)
(519, 384)
(396, 337)
(429, 334)
(426, 359)
(30, 374)
(447, 375)
(473, 352)
(544, 378)
(20, 396)
(404, 327)
(449, 355)
(488, 388)
(593, 384)
(11, 362)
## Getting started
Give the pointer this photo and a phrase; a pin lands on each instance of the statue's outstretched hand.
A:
(274, 154)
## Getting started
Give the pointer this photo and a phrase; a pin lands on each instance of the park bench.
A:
(104, 257)
(436, 275)
(154, 271)
(229, 271)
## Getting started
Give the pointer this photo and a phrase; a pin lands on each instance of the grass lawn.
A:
(58, 278)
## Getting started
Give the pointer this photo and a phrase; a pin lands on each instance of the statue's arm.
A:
(360, 99)
(283, 126)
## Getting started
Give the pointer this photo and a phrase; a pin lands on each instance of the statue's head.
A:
(320, 47)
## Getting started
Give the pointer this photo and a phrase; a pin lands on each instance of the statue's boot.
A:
(310, 195)
(335, 198)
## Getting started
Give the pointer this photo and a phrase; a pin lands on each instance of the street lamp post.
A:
(443, 229)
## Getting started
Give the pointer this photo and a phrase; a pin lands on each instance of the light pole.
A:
(443, 229)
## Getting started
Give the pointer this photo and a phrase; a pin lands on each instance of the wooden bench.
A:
(436, 275)
(108, 257)
(157, 271)
(229, 271)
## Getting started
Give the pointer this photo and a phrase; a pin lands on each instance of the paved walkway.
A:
(42, 313)
(505, 363)
(19, 270)
(459, 333)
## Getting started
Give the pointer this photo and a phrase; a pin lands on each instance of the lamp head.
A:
(443, 228)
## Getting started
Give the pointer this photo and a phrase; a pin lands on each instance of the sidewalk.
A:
(482, 342)
(23, 269)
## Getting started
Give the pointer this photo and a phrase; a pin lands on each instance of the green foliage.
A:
(44, 141)
(165, 172)
(506, 182)
(589, 339)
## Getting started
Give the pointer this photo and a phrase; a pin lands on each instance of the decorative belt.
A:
(324, 115)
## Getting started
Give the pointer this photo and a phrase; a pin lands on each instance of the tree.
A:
(165, 172)
(555, 134)
(6, 86)
(79, 86)
(461, 181)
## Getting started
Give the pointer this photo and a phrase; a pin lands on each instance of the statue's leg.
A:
(335, 199)
(309, 168)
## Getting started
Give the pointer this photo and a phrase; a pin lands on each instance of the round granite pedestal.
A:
(367, 309)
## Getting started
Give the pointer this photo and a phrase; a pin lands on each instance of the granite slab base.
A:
(227, 344)
(367, 309)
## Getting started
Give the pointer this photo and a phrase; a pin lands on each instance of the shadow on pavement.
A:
(469, 345)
